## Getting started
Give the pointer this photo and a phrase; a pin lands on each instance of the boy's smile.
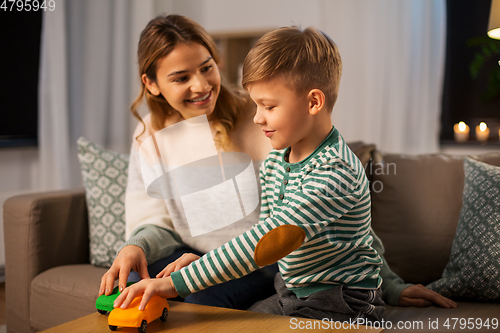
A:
(268, 133)
(287, 117)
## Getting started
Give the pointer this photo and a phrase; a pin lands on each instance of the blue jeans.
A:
(235, 294)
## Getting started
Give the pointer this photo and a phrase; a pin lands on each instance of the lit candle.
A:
(482, 132)
(461, 132)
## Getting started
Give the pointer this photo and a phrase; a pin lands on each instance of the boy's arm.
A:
(306, 213)
(147, 288)
(392, 284)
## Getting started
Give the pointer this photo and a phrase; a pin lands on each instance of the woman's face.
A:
(188, 78)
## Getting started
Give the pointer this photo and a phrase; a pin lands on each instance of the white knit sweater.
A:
(159, 226)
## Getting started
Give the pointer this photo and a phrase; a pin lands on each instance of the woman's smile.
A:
(189, 80)
(201, 100)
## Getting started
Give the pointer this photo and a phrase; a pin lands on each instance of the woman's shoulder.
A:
(142, 131)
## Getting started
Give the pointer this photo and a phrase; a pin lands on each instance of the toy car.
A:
(157, 307)
(104, 303)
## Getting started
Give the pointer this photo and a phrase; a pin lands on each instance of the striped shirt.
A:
(327, 195)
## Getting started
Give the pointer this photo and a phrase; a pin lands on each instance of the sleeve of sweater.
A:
(392, 284)
(308, 209)
(156, 242)
(148, 224)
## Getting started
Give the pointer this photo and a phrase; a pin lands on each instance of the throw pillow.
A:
(473, 271)
(105, 179)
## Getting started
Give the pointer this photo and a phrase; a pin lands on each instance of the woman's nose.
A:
(200, 84)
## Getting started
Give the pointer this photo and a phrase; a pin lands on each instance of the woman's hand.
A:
(147, 288)
(182, 261)
(131, 257)
(419, 296)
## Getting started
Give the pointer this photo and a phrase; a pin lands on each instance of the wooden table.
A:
(185, 317)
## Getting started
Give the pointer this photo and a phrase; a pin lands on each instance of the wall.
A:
(226, 16)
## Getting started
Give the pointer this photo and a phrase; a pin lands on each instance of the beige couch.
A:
(416, 205)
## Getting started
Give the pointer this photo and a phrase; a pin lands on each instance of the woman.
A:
(180, 80)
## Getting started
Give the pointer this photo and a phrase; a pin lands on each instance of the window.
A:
(463, 96)
(20, 44)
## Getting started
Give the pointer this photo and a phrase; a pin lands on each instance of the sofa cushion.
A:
(68, 291)
(105, 179)
(473, 271)
(416, 202)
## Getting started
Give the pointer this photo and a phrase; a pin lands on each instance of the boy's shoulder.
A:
(274, 158)
(337, 153)
(331, 153)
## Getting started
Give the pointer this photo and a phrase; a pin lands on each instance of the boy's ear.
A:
(150, 85)
(316, 101)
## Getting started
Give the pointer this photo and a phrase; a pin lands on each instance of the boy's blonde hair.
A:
(304, 59)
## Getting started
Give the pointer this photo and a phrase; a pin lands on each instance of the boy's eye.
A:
(269, 108)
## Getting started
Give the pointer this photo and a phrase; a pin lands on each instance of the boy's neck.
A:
(310, 142)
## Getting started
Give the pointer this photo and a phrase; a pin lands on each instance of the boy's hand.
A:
(419, 296)
(183, 261)
(147, 288)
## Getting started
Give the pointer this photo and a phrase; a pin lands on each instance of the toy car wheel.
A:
(144, 326)
(164, 315)
(113, 328)
(103, 312)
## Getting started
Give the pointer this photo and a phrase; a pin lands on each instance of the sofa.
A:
(416, 203)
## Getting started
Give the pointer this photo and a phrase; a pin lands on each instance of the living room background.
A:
(390, 93)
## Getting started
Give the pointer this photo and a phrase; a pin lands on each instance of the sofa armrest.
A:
(41, 230)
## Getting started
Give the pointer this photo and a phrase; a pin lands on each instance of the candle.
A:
(482, 132)
(461, 132)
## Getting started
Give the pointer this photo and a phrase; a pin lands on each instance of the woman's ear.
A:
(316, 101)
(150, 85)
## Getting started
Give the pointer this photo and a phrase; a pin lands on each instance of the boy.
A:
(315, 215)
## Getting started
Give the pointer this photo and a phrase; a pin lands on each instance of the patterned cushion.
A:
(473, 271)
(105, 179)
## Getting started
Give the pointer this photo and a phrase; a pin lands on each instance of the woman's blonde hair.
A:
(304, 59)
(158, 39)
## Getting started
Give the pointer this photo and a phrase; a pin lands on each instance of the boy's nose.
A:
(258, 118)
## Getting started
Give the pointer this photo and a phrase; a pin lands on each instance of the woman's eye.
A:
(206, 68)
(181, 79)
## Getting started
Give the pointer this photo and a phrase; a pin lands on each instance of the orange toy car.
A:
(157, 307)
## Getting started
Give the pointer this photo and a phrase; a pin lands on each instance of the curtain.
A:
(88, 78)
(390, 92)
(393, 57)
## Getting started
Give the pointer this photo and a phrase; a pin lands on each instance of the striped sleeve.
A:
(264, 201)
(326, 194)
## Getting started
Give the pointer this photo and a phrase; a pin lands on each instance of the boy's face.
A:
(282, 113)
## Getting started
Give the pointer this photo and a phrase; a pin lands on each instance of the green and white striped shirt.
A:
(327, 195)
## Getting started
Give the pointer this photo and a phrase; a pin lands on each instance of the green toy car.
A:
(104, 303)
